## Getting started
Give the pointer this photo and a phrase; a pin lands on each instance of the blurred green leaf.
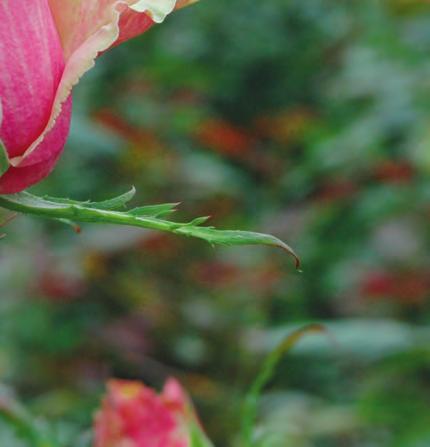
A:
(269, 366)
(198, 438)
(25, 426)
(362, 339)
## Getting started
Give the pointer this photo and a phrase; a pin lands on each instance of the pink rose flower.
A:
(133, 415)
(45, 47)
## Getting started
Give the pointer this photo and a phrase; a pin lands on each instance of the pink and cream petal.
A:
(87, 28)
(30, 74)
(78, 20)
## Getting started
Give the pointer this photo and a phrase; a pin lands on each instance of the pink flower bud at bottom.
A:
(133, 415)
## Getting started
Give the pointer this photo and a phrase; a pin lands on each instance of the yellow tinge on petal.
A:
(157, 9)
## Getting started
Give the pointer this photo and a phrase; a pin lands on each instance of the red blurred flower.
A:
(133, 415)
(215, 273)
(224, 138)
(406, 287)
(161, 246)
(58, 286)
(337, 189)
(391, 171)
(142, 139)
(260, 280)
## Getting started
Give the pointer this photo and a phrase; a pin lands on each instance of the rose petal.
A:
(78, 20)
(30, 73)
(132, 24)
(54, 140)
(42, 161)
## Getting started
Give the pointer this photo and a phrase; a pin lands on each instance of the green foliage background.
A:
(305, 119)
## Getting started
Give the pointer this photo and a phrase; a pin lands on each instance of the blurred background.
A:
(309, 120)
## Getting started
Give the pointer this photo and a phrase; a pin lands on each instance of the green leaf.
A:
(269, 366)
(72, 211)
(4, 159)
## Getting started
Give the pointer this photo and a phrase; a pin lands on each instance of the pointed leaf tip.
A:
(292, 253)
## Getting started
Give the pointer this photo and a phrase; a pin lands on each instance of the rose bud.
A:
(45, 48)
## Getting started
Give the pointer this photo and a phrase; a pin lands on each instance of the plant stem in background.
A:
(249, 414)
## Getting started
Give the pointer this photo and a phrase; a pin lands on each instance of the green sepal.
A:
(4, 159)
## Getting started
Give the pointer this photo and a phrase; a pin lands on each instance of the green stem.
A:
(83, 214)
(143, 217)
